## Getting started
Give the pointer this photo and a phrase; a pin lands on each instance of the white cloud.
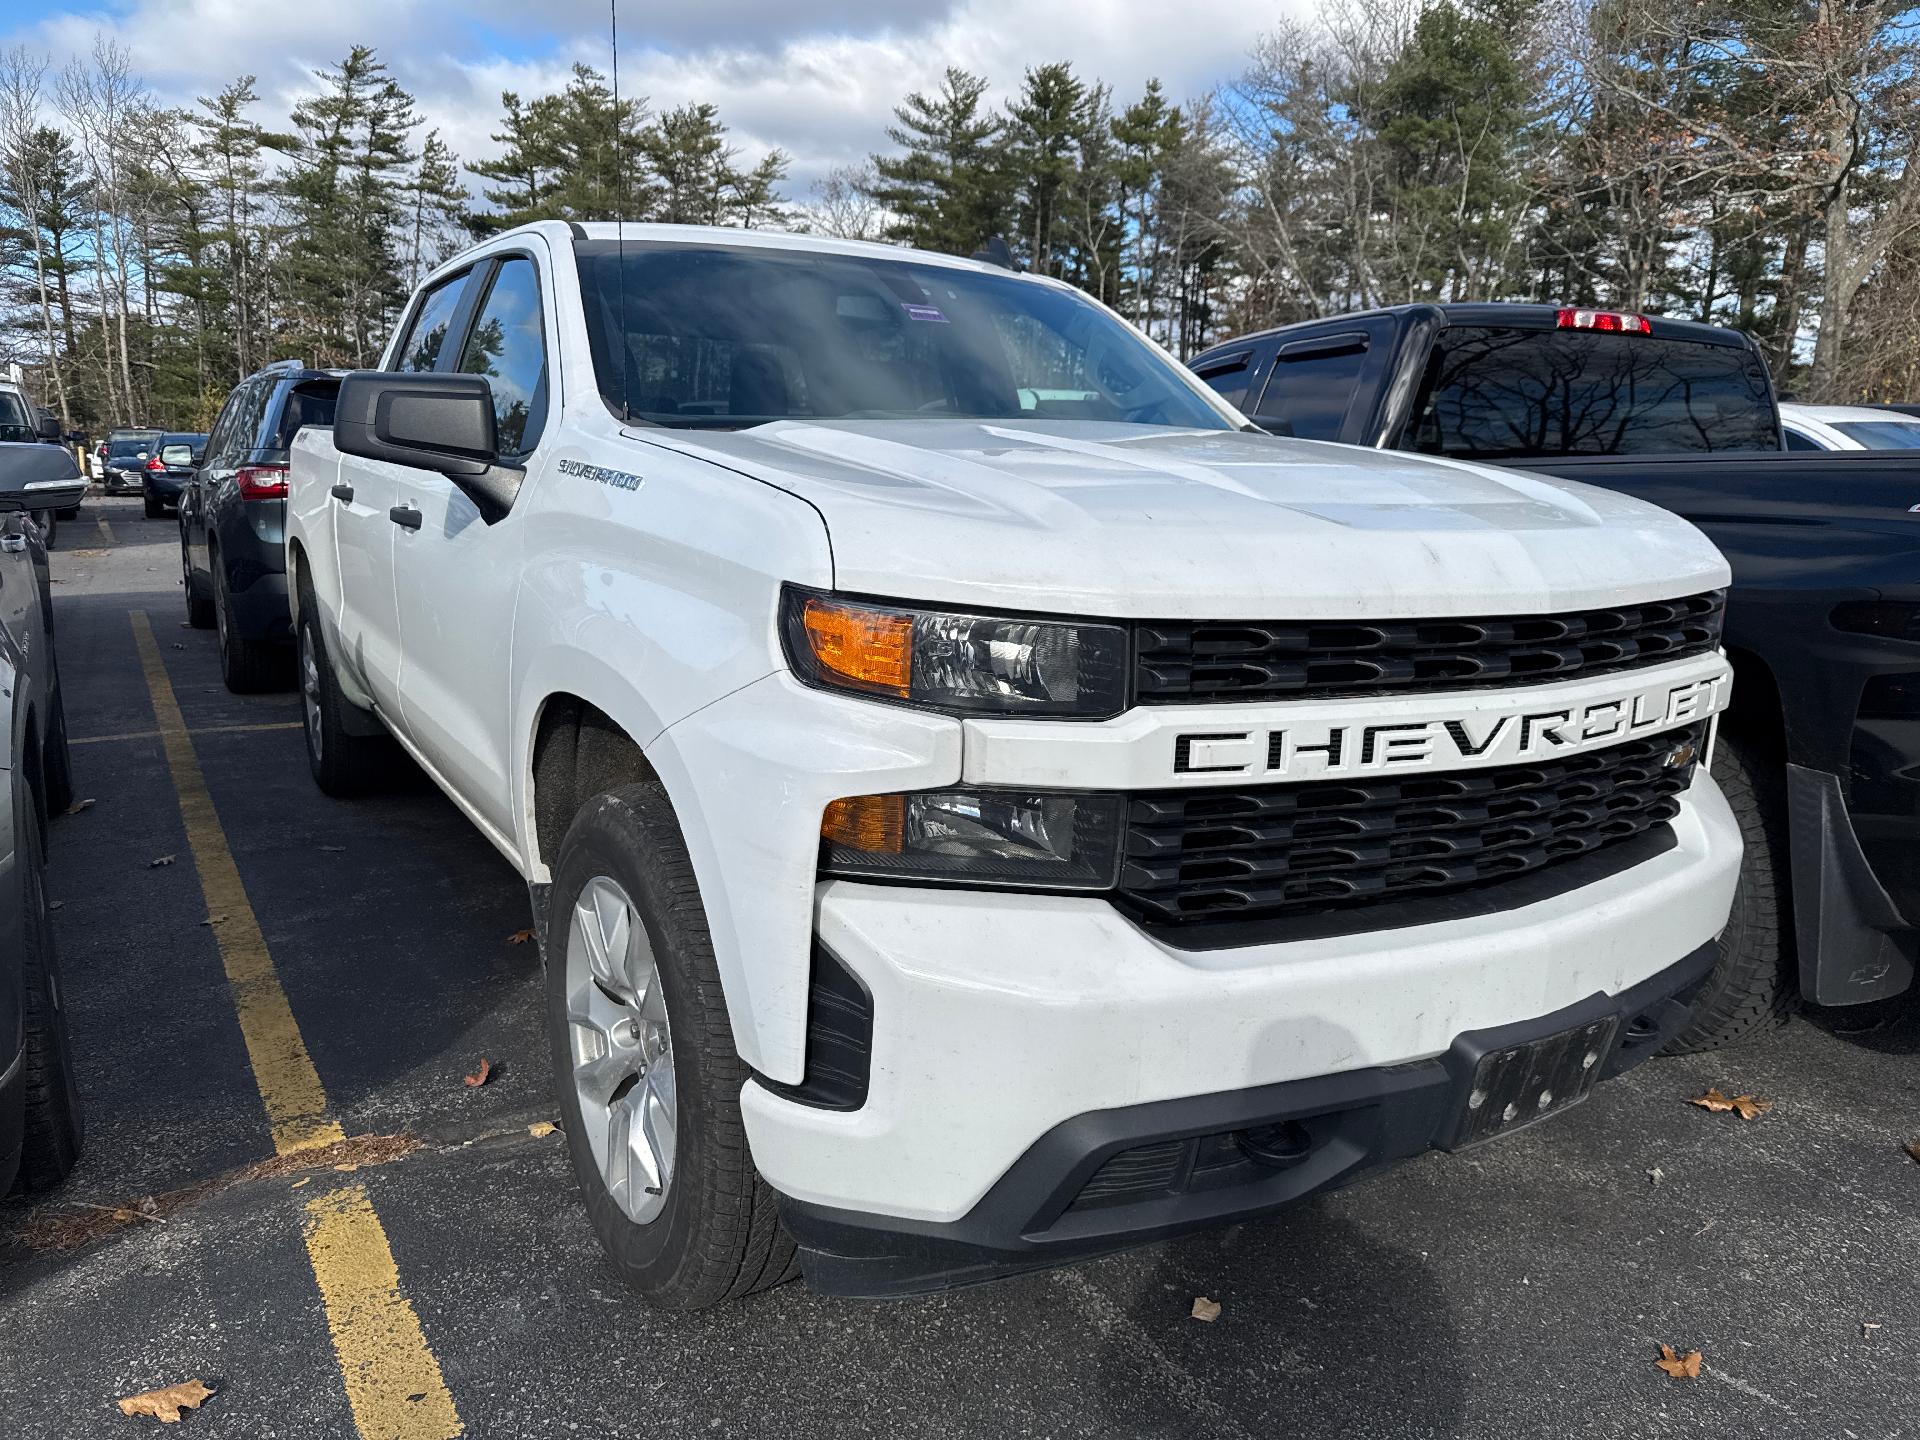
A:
(818, 80)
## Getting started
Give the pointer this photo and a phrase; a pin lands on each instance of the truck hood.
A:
(1142, 522)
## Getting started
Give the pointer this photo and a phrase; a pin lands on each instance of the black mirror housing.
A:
(431, 421)
(49, 429)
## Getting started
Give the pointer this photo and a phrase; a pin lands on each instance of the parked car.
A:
(125, 465)
(1821, 756)
(168, 470)
(232, 513)
(977, 798)
(1848, 427)
(40, 1120)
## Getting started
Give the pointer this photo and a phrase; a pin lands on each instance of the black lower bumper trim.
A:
(1113, 1178)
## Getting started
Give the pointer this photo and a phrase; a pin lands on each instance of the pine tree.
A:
(1046, 128)
(947, 191)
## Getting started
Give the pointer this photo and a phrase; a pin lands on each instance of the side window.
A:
(247, 418)
(222, 428)
(1797, 441)
(1228, 376)
(507, 344)
(1312, 384)
(421, 349)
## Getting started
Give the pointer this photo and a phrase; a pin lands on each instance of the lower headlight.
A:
(1031, 839)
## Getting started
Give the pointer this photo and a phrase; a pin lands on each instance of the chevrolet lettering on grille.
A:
(1500, 731)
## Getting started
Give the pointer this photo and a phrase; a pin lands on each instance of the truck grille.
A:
(1179, 662)
(1255, 852)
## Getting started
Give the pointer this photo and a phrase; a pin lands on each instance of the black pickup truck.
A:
(1820, 755)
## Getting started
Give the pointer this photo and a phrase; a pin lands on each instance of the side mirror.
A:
(49, 428)
(176, 455)
(430, 421)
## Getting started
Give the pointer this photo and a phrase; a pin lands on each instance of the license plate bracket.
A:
(1513, 1086)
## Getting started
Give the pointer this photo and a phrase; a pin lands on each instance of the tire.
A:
(199, 607)
(248, 666)
(710, 1232)
(57, 761)
(54, 1130)
(156, 508)
(1751, 987)
(342, 763)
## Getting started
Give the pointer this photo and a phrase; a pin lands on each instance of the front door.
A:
(456, 576)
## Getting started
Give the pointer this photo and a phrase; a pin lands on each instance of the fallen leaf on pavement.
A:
(166, 1403)
(479, 1078)
(1913, 1149)
(1747, 1107)
(1205, 1309)
(1867, 1327)
(540, 1129)
(78, 806)
(178, 646)
(1680, 1367)
(155, 864)
(520, 937)
(55, 904)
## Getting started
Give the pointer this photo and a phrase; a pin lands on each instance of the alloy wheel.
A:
(622, 1049)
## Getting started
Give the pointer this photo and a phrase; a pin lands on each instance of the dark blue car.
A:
(233, 516)
(168, 470)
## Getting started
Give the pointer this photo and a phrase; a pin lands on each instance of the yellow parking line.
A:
(199, 730)
(383, 1354)
(392, 1380)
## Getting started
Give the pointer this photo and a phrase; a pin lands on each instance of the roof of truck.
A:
(606, 231)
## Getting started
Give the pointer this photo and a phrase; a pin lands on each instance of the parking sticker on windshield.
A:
(924, 312)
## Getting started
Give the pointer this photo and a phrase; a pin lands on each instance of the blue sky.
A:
(817, 78)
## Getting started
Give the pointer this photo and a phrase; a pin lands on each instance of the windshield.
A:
(1882, 434)
(16, 420)
(731, 337)
(1501, 392)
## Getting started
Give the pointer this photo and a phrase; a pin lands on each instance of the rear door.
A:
(456, 575)
(367, 497)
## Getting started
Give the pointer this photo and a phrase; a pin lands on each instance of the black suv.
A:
(233, 519)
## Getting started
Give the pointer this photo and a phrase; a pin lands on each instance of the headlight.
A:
(1035, 840)
(991, 664)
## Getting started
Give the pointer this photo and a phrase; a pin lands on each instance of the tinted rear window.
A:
(311, 403)
(1497, 392)
(120, 449)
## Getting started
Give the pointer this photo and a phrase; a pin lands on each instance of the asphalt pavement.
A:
(1519, 1290)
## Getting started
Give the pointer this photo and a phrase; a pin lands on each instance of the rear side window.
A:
(1797, 441)
(421, 349)
(1504, 392)
(1311, 386)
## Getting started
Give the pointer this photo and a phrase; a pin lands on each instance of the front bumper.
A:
(1112, 1178)
(999, 1017)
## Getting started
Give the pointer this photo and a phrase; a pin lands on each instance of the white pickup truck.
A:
(983, 804)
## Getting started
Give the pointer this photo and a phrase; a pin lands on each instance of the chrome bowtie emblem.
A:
(1681, 754)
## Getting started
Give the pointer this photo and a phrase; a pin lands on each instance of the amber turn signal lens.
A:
(874, 824)
(872, 648)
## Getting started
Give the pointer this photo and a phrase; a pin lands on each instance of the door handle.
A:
(13, 544)
(405, 516)
(342, 492)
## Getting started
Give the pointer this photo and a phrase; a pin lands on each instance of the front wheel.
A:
(648, 1078)
(1751, 986)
